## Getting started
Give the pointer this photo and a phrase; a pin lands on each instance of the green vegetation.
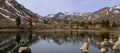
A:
(18, 38)
(30, 36)
(18, 21)
(114, 25)
(104, 24)
(30, 23)
(82, 24)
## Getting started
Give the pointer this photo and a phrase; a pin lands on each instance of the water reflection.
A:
(18, 38)
(54, 42)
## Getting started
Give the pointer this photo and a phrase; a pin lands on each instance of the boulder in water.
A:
(104, 43)
(24, 50)
(84, 47)
(116, 46)
(103, 50)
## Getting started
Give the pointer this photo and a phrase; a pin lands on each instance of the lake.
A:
(55, 41)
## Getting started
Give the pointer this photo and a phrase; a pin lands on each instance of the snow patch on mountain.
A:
(8, 17)
(20, 15)
(3, 9)
(116, 9)
(8, 2)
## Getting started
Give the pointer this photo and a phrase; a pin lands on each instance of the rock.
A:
(24, 50)
(104, 43)
(85, 51)
(119, 38)
(98, 43)
(116, 46)
(111, 41)
(84, 47)
(103, 50)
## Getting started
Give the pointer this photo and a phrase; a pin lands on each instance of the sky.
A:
(45, 7)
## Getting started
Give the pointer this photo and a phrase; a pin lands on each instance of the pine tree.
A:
(30, 23)
(114, 25)
(77, 22)
(107, 24)
(82, 24)
(18, 21)
(90, 23)
(18, 38)
(103, 23)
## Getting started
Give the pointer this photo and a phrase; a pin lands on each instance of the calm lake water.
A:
(55, 41)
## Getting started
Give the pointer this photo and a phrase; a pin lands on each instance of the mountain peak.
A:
(116, 9)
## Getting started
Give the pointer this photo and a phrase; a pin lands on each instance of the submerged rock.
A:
(24, 50)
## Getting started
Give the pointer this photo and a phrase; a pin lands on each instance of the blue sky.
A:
(44, 7)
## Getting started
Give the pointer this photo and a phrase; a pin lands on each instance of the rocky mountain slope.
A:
(11, 9)
(111, 14)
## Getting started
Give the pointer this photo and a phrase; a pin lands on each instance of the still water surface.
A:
(54, 41)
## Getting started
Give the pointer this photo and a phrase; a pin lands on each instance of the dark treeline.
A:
(103, 24)
(19, 22)
(79, 24)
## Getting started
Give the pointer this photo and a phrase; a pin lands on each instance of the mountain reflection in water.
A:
(54, 42)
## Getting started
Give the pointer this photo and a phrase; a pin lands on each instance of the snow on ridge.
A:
(16, 9)
(50, 15)
(117, 7)
(26, 15)
(111, 9)
(11, 5)
(8, 17)
(20, 15)
(7, 2)
(40, 20)
(116, 11)
(5, 10)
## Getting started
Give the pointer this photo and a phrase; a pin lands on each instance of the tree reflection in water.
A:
(18, 38)
(30, 36)
(8, 40)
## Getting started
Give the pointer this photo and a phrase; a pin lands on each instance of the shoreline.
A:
(39, 30)
(13, 30)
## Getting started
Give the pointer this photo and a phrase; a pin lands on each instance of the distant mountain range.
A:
(111, 14)
(11, 9)
(67, 17)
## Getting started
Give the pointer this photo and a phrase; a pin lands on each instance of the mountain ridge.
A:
(11, 9)
(111, 14)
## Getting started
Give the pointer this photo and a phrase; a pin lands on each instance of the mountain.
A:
(11, 9)
(67, 17)
(111, 14)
